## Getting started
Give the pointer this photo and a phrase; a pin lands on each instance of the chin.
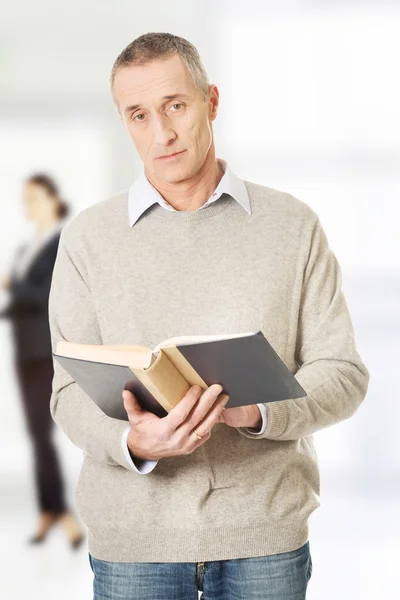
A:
(172, 175)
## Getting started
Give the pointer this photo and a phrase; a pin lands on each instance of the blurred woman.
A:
(29, 286)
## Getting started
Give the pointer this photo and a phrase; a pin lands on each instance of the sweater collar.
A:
(142, 194)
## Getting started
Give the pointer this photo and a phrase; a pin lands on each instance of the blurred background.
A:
(309, 104)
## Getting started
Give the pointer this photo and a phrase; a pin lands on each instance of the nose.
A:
(163, 131)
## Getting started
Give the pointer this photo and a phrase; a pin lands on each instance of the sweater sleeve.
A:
(72, 317)
(330, 368)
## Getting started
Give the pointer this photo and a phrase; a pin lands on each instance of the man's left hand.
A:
(242, 416)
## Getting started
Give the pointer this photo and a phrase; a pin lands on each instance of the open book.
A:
(245, 364)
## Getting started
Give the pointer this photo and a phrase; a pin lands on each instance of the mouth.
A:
(171, 157)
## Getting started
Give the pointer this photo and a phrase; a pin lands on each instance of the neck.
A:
(191, 194)
(42, 227)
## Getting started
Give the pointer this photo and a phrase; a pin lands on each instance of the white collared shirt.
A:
(142, 194)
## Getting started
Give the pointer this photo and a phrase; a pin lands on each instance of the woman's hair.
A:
(48, 184)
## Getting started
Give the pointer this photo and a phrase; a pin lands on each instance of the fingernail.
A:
(216, 389)
(224, 399)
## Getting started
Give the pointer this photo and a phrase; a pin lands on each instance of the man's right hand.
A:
(151, 438)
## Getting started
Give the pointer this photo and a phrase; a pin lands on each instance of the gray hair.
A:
(151, 46)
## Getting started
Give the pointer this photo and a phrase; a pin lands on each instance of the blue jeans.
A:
(277, 577)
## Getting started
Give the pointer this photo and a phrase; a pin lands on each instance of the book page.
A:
(125, 354)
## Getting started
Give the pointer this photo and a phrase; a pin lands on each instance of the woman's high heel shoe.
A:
(48, 521)
(72, 529)
(68, 523)
(77, 542)
(37, 539)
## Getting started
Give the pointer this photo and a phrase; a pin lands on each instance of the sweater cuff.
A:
(112, 442)
(143, 466)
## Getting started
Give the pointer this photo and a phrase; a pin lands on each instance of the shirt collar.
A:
(142, 194)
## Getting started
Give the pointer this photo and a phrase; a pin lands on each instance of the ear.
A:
(213, 100)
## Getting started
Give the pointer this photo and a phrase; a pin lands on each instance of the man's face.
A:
(164, 113)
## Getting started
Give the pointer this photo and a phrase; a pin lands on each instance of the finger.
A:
(205, 425)
(207, 400)
(131, 405)
(181, 411)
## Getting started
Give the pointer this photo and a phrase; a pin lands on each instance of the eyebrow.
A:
(171, 97)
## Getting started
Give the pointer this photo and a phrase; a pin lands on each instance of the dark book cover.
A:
(104, 383)
(247, 367)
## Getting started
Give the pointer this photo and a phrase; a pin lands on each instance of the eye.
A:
(139, 115)
(177, 104)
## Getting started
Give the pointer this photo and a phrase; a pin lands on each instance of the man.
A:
(207, 498)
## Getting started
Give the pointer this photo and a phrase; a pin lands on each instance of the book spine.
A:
(164, 381)
(184, 367)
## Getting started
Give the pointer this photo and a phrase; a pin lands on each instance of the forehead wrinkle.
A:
(162, 81)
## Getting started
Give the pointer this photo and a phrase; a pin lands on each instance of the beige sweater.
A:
(215, 270)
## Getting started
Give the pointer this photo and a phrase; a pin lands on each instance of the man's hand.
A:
(152, 438)
(242, 416)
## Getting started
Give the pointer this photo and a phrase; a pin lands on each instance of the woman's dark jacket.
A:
(28, 306)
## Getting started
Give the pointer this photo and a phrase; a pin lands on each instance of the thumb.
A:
(131, 405)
